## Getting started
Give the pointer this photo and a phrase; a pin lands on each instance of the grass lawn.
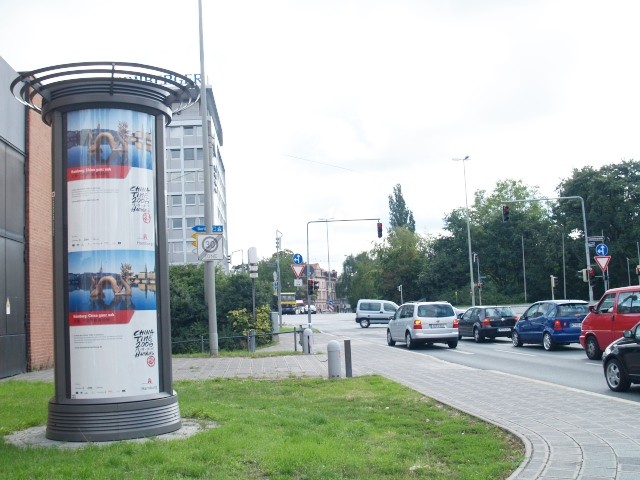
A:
(358, 428)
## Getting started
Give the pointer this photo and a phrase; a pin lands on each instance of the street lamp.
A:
(464, 171)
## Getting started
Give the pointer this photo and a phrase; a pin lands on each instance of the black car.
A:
(621, 361)
(487, 322)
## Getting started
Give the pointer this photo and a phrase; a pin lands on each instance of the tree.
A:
(611, 195)
(399, 214)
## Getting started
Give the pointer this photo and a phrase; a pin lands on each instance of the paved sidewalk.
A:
(568, 434)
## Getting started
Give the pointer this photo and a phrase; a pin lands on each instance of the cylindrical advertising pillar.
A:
(113, 376)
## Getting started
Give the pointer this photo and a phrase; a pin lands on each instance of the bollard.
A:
(333, 353)
(307, 341)
(347, 358)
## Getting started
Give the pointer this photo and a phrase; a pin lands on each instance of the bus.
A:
(288, 302)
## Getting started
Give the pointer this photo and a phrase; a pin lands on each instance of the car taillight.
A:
(455, 323)
(557, 325)
(486, 322)
(417, 325)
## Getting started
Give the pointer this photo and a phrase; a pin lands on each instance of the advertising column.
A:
(111, 259)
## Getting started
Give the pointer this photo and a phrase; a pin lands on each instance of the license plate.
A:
(576, 325)
(504, 329)
(437, 325)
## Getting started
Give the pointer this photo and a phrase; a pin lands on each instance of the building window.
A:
(199, 154)
(189, 158)
(190, 177)
(191, 222)
(176, 200)
(190, 199)
(176, 223)
(174, 177)
(174, 159)
(178, 247)
(188, 131)
(201, 199)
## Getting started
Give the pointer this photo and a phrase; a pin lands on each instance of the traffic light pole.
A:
(584, 223)
(308, 265)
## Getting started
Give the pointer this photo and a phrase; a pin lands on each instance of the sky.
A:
(327, 105)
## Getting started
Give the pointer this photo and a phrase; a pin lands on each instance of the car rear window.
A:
(435, 311)
(572, 309)
(500, 312)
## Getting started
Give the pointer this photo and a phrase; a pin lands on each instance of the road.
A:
(567, 366)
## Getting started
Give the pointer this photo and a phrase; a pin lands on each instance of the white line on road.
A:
(515, 353)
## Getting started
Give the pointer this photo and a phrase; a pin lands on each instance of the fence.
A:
(248, 342)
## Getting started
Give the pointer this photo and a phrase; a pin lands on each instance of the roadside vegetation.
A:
(541, 238)
(362, 428)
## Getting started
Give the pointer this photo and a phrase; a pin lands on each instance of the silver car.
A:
(420, 323)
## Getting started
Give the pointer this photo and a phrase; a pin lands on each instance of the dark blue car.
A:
(550, 323)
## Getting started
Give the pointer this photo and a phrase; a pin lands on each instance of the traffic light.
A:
(316, 285)
(310, 287)
(379, 230)
(278, 244)
(505, 213)
(585, 275)
(554, 281)
(592, 277)
(638, 270)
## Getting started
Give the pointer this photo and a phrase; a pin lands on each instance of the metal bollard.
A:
(307, 341)
(333, 353)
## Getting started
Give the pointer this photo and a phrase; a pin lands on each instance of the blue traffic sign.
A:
(297, 259)
(601, 249)
(198, 228)
(216, 228)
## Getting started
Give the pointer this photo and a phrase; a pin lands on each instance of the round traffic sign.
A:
(297, 259)
(601, 249)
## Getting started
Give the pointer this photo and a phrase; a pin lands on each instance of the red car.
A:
(618, 310)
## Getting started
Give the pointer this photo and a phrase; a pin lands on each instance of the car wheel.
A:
(452, 344)
(410, 344)
(364, 323)
(592, 349)
(390, 341)
(547, 343)
(617, 379)
(515, 339)
(476, 335)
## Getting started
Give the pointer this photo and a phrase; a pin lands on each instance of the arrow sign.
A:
(297, 270)
(602, 249)
(603, 261)
(199, 229)
(195, 235)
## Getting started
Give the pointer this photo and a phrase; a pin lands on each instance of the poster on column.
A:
(111, 253)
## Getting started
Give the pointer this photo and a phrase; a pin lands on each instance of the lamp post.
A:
(476, 259)
(464, 171)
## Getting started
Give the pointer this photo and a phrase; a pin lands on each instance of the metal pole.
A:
(564, 269)
(477, 259)
(329, 268)
(308, 278)
(628, 272)
(209, 266)
(279, 288)
(524, 270)
(464, 171)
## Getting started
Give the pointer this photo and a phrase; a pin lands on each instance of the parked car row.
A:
(609, 330)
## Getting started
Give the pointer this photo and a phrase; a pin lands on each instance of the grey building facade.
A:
(185, 196)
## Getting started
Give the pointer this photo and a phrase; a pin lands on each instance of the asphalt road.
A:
(567, 366)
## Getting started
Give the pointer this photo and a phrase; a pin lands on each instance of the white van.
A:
(370, 311)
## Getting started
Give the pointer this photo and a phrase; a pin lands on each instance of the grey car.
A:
(420, 323)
